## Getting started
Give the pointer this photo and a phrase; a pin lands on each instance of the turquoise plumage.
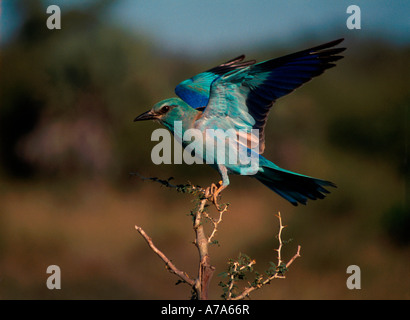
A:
(238, 95)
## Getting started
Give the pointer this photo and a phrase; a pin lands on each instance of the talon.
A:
(212, 189)
(214, 192)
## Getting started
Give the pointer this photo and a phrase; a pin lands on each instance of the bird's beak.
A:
(149, 115)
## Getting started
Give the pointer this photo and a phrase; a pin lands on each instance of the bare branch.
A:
(205, 271)
(297, 255)
(170, 266)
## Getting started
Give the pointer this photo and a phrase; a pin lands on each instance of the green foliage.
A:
(215, 242)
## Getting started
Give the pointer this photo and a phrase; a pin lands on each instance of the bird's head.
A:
(167, 111)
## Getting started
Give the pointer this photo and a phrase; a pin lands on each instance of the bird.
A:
(239, 95)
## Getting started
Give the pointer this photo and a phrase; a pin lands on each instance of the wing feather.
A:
(243, 96)
(196, 90)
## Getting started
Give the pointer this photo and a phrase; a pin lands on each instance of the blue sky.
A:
(198, 28)
(204, 26)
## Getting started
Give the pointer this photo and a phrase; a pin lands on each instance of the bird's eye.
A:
(164, 109)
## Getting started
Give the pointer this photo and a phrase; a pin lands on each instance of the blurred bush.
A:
(69, 96)
(397, 224)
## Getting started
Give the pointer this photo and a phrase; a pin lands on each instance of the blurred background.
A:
(68, 144)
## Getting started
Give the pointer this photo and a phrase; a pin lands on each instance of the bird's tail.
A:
(294, 187)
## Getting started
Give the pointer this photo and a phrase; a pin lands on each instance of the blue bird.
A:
(238, 95)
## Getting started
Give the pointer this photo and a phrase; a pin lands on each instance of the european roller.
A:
(238, 95)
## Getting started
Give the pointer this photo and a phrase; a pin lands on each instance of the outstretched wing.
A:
(242, 98)
(195, 91)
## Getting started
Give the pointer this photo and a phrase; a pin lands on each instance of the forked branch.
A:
(200, 284)
(170, 266)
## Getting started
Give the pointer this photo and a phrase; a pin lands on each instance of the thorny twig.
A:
(280, 269)
(215, 222)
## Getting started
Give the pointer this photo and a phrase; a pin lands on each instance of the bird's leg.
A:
(216, 194)
(216, 190)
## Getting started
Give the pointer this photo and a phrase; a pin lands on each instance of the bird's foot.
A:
(213, 192)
